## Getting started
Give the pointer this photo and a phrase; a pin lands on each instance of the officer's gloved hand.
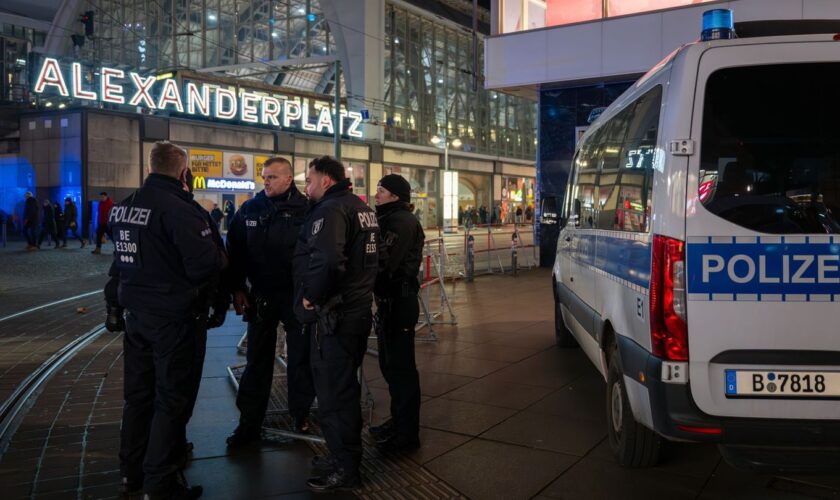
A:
(115, 322)
(216, 318)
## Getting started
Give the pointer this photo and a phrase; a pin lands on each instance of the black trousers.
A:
(198, 365)
(101, 230)
(75, 231)
(335, 359)
(255, 385)
(395, 338)
(159, 357)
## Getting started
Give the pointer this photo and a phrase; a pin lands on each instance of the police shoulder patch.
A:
(317, 226)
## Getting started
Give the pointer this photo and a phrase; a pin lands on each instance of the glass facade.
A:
(16, 43)
(522, 15)
(429, 91)
(425, 191)
(235, 36)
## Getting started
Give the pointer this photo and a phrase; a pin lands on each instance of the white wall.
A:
(621, 46)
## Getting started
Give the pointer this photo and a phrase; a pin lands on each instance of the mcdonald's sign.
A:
(199, 182)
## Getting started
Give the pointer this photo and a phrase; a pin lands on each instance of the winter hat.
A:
(398, 186)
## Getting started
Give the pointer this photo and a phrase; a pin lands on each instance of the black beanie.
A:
(398, 186)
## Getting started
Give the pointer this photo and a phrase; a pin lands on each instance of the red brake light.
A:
(668, 329)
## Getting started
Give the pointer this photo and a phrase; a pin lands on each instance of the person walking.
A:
(397, 310)
(261, 243)
(70, 222)
(335, 269)
(31, 221)
(165, 261)
(48, 225)
(105, 205)
(60, 230)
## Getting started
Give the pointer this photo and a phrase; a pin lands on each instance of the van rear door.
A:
(763, 231)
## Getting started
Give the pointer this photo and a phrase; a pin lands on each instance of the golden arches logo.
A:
(199, 182)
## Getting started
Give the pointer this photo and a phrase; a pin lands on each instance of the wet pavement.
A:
(505, 414)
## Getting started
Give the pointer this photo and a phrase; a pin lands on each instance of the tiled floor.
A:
(505, 415)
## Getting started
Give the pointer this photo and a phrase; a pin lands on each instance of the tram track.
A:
(27, 391)
(36, 342)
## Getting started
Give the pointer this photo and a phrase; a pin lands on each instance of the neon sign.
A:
(200, 182)
(117, 86)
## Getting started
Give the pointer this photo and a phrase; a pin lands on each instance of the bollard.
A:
(514, 242)
(470, 258)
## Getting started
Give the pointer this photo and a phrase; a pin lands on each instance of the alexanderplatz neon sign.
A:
(193, 99)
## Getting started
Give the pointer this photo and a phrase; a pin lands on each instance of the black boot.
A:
(383, 432)
(337, 480)
(130, 489)
(243, 435)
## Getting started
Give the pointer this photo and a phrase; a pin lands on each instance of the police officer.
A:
(401, 241)
(165, 259)
(336, 264)
(261, 243)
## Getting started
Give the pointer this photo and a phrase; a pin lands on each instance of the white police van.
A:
(698, 265)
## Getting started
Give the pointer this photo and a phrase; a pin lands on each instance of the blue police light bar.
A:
(717, 25)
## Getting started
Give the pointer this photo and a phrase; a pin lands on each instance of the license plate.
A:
(776, 383)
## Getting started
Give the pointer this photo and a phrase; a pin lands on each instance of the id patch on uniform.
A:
(371, 250)
(317, 226)
(127, 248)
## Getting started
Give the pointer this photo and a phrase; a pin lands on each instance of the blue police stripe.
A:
(621, 256)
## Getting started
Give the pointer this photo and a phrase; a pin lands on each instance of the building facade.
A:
(576, 56)
(238, 81)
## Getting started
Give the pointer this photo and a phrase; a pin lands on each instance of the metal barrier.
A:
(433, 272)
(522, 255)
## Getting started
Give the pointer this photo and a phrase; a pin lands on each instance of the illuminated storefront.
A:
(522, 15)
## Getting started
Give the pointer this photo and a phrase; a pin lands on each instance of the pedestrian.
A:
(519, 214)
(31, 221)
(529, 212)
(105, 205)
(261, 243)
(217, 215)
(335, 270)
(165, 263)
(70, 222)
(229, 212)
(482, 215)
(497, 214)
(60, 231)
(401, 239)
(48, 225)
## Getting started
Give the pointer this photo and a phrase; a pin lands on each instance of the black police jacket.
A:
(164, 251)
(401, 249)
(261, 242)
(336, 257)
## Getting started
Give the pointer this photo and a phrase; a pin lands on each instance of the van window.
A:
(585, 183)
(616, 195)
(770, 151)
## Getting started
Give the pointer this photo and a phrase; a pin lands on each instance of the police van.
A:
(698, 264)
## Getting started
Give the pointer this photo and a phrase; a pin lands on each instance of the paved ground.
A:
(505, 415)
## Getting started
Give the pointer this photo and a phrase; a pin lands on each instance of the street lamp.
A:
(450, 183)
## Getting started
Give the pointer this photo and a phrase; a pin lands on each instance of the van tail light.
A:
(668, 329)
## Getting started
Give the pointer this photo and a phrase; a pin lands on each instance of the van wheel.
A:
(562, 335)
(633, 444)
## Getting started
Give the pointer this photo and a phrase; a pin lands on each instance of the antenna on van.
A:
(718, 25)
